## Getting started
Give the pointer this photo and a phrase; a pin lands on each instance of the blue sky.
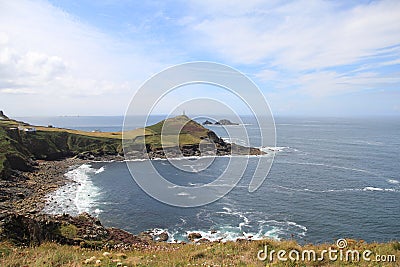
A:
(333, 58)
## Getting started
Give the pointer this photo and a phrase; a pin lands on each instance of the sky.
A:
(311, 57)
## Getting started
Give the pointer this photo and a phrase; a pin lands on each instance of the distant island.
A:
(220, 122)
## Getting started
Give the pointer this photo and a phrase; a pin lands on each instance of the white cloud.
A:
(267, 75)
(302, 34)
(327, 83)
(47, 52)
(315, 44)
(51, 59)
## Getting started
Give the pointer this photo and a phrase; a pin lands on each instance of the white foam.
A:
(228, 211)
(371, 188)
(157, 231)
(368, 188)
(302, 227)
(393, 181)
(266, 229)
(273, 148)
(77, 196)
(100, 170)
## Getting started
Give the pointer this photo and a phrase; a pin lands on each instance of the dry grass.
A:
(162, 254)
(115, 135)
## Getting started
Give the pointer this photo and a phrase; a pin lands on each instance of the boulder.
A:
(193, 236)
(84, 230)
(163, 237)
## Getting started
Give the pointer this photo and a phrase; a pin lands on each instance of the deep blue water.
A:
(332, 178)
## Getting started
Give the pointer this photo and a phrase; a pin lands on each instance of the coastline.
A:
(124, 246)
(27, 193)
(23, 222)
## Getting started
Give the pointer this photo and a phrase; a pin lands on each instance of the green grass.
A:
(163, 254)
(50, 144)
(54, 143)
(166, 132)
(69, 231)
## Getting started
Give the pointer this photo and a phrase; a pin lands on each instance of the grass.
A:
(113, 135)
(50, 143)
(163, 254)
(188, 131)
(69, 231)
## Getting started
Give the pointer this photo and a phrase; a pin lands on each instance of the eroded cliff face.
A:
(83, 230)
(20, 149)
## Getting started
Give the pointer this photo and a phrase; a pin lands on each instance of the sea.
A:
(331, 178)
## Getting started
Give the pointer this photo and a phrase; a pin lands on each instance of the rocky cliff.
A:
(19, 149)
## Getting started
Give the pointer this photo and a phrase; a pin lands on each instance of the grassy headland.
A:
(18, 148)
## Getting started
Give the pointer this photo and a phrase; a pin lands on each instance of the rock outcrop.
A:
(83, 230)
(207, 122)
(194, 236)
(225, 122)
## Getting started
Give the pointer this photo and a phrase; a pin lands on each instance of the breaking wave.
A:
(77, 196)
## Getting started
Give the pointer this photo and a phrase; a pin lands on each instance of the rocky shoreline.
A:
(22, 221)
(25, 192)
(34, 164)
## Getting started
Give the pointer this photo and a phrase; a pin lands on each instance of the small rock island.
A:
(220, 122)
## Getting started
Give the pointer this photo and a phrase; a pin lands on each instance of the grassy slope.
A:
(190, 132)
(163, 254)
(50, 143)
(53, 143)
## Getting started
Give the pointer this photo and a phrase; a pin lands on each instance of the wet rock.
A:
(163, 237)
(193, 236)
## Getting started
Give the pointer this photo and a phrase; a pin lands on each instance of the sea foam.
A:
(77, 196)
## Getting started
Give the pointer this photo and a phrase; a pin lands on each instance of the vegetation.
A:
(177, 131)
(18, 147)
(162, 254)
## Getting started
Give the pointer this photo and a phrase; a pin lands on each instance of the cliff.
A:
(20, 148)
(22, 144)
(182, 136)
